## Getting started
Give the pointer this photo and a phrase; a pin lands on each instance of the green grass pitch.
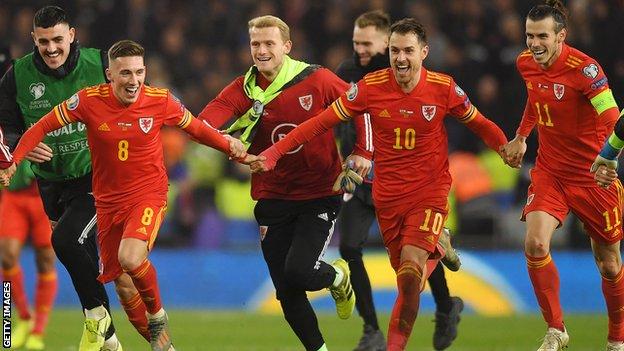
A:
(239, 331)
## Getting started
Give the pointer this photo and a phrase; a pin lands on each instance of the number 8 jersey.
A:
(126, 148)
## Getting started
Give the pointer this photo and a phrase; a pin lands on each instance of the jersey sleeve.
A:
(353, 102)
(175, 113)
(593, 83)
(230, 103)
(459, 104)
(333, 86)
(72, 110)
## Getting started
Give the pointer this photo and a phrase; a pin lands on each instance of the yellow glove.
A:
(347, 180)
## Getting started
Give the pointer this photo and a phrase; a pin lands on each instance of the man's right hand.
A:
(513, 151)
(41, 153)
(6, 174)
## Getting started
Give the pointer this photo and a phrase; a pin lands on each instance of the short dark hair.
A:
(125, 48)
(50, 16)
(551, 8)
(377, 18)
(410, 25)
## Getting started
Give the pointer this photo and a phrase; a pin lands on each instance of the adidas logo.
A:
(142, 230)
(104, 127)
(385, 114)
(324, 216)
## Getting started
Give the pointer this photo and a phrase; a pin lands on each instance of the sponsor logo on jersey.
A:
(599, 83)
(559, 90)
(591, 71)
(104, 127)
(384, 114)
(324, 216)
(73, 102)
(352, 93)
(428, 111)
(306, 102)
(146, 123)
(459, 91)
(280, 132)
(37, 90)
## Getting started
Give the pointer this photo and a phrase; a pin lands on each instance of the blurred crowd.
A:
(196, 47)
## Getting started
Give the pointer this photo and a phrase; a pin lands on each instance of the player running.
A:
(123, 120)
(407, 104)
(570, 101)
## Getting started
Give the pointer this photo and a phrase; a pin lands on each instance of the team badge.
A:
(559, 90)
(306, 102)
(352, 93)
(37, 90)
(459, 91)
(263, 230)
(530, 199)
(428, 111)
(146, 123)
(73, 102)
(591, 71)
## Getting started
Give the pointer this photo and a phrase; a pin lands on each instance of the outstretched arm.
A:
(35, 134)
(205, 134)
(305, 132)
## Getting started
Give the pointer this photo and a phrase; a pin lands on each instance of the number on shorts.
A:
(148, 214)
(606, 215)
(438, 221)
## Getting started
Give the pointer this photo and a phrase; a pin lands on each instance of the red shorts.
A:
(140, 221)
(598, 208)
(21, 213)
(412, 224)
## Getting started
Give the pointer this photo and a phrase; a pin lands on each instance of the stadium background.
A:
(208, 254)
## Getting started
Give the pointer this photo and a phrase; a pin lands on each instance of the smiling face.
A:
(126, 75)
(368, 42)
(545, 44)
(268, 49)
(406, 57)
(53, 43)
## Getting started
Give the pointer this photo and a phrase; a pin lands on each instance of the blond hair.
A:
(270, 21)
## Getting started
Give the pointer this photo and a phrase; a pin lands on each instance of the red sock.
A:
(146, 282)
(135, 309)
(18, 293)
(409, 281)
(613, 291)
(545, 279)
(47, 286)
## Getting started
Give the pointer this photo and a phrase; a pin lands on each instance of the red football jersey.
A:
(411, 146)
(126, 148)
(307, 172)
(570, 132)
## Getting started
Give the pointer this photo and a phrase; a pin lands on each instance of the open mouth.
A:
(132, 90)
(264, 59)
(403, 69)
(538, 53)
(53, 54)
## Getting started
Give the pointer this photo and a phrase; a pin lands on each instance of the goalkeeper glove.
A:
(347, 180)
